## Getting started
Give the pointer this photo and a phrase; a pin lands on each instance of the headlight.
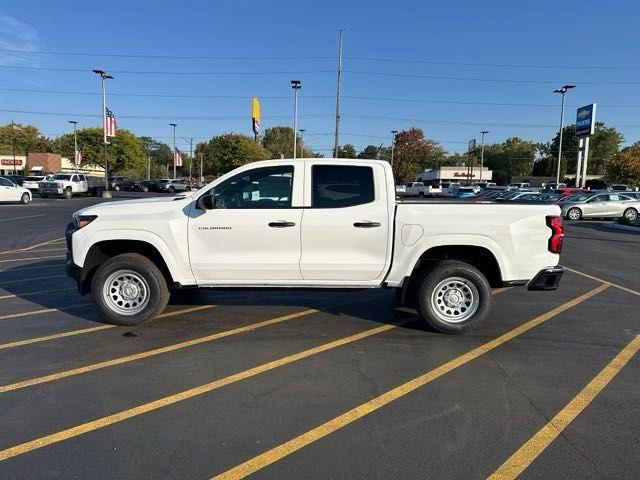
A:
(82, 221)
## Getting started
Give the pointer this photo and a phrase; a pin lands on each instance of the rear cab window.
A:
(339, 186)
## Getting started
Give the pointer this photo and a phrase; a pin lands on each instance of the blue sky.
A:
(451, 85)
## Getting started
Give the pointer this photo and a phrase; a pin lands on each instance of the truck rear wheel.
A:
(68, 193)
(129, 289)
(454, 297)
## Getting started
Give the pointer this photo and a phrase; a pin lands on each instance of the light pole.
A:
(295, 85)
(75, 142)
(393, 144)
(301, 130)
(174, 125)
(104, 76)
(483, 132)
(562, 90)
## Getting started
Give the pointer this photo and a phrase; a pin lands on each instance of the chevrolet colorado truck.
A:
(313, 223)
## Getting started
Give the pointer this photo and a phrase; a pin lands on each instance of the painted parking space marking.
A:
(21, 269)
(31, 258)
(34, 251)
(82, 331)
(184, 395)
(44, 310)
(21, 218)
(527, 453)
(287, 448)
(601, 280)
(34, 293)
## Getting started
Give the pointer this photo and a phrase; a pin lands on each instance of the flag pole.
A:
(104, 76)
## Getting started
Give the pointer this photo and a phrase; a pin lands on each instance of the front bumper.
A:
(547, 279)
(72, 270)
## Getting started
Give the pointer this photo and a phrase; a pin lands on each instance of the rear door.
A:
(346, 224)
(596, 206)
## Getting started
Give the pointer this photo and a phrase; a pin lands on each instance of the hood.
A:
(126, 206)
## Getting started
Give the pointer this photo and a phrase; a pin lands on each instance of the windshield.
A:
(33, 179)
(61, 176)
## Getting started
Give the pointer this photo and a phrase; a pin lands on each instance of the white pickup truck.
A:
(69, 184)
(312, 223)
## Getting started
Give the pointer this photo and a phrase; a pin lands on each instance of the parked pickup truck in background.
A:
(412, 189)
(312, 223)
(70, 184)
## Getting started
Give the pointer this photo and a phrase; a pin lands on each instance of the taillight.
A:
(557, 234)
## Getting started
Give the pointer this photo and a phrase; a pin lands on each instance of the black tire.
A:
(141, 265)
(117, 188)
(187, 189)
(25, 199)
(172, 190)
(421, 194)
(145, 189)
(630, 215)
(471, 282)
(68, 193)
(574, 212)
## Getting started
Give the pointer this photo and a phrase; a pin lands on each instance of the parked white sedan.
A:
(600, 205)
(10, 192)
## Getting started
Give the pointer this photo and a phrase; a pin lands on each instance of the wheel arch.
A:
(100, 251)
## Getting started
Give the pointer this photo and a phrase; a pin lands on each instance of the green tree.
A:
(512, 157)
(160, 153)
(26, 138)
(228, 151)
(124, 151)
(347, 151)
(413, 153)
(624, 167)
(278, 142)
(603, 145)
(375, 152)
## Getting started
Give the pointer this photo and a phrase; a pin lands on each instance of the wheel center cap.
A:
(453, 298)
(129, 290)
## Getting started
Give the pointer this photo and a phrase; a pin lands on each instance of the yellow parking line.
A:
(33, 279)
(34, 251)
(275, 454)
(153, 352)
(184, 395)
(32, 258)
(525, 455)
(44, 310)
(55, 336)
(628, 290)
(26, 249)
(53, 265)
(31, 294)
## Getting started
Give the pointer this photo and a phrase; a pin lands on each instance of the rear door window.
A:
(338, 186)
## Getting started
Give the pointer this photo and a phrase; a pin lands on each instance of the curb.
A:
(628, 228)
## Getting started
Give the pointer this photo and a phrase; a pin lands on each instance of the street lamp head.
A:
(301, 130)
(73, 122)
(173, 124)
(564, 88)
(394, 132)
(484, 132)
(568, 86)
(102, 73)
(296, 84)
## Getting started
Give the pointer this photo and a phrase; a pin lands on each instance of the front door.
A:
(345, 231)
(8, 191)
(253, 233)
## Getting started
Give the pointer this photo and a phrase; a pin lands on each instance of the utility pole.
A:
(104, 76)
(337, 134)
(201, 155)
(75, 143)
(483, 132)
(295, 85)
(301, 130)
(562, 90)
(174, 125)
(190, 158)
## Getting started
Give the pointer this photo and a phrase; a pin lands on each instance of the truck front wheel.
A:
(454, 297)
(68, 193)
(129, 289)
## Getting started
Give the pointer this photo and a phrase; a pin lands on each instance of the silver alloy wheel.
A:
(630, 215)
(126, 292)
(574, 214)
(455, 299)
(25, 199)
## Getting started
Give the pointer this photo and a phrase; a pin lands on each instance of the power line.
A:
(160, 72)
(288, 97)
(320, 57)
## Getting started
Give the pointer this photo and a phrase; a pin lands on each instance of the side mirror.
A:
(206, 202)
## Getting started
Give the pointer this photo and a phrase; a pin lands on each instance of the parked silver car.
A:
(172, 185)
(600, 205)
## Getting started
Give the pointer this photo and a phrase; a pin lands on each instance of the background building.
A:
(435, 176)
(44, 163)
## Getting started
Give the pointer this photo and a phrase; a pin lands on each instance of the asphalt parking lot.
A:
(310, 385)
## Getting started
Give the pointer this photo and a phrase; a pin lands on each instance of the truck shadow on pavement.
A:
(49, 288)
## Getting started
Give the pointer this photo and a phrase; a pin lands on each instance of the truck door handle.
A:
(281, 224)
(366, 224)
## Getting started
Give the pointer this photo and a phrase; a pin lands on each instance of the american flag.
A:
(78, 157)
(177, 158)
(109, 123)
